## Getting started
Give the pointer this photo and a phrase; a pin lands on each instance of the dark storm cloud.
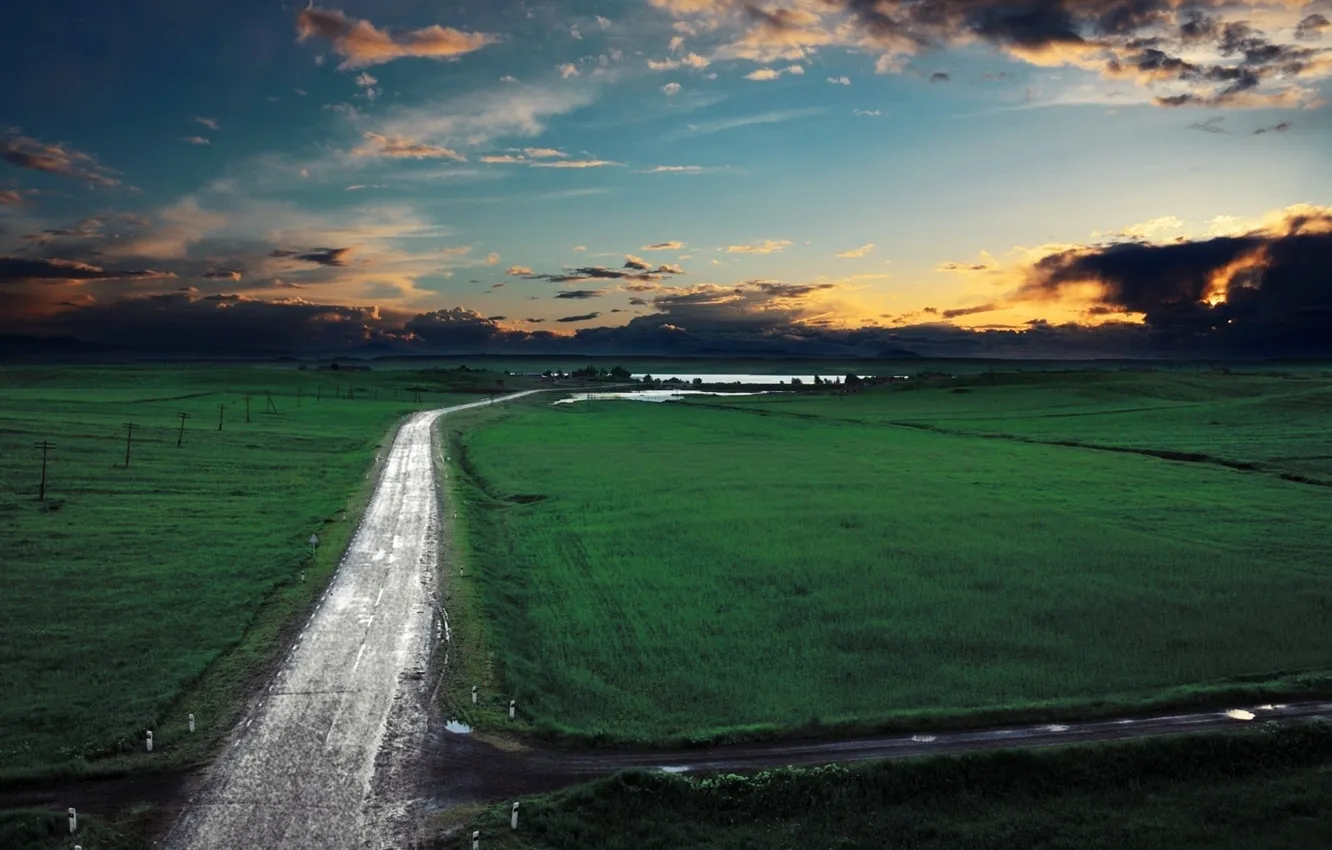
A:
(1275, 128)
(581, 293)
(184, 322)
(637, 271)
(586, 317)
(1263, 292)
(23, 269)
(940, 77)
(25, 152)
(1312, 27)
(222, 274)
(970, 311)
(1138, 39)
(1211, 125)
(320, 256)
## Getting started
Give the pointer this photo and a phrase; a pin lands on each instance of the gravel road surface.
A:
(313, 763)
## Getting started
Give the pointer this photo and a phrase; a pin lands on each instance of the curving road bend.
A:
(314, 762)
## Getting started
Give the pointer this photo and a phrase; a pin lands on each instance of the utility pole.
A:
(180, 438)
(319, 393)
(129, 439)
(220, 408)
(45, 446)
(247, 407)
(272, 408)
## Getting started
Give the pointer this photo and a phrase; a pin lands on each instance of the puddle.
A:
(646, 395)
(457, 727)
(1240, 714)
(924, 739)
(1055, 727)
(674, 768)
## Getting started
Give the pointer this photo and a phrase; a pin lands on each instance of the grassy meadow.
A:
(1258, 790)
(134, 596)
(736, 568)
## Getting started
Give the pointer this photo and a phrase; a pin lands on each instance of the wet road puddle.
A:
(457, 727)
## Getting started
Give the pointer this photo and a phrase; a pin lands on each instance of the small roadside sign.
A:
(314, 539)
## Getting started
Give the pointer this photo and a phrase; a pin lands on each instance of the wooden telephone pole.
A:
(180, 438)
(220, 409)
(129, 440)
(45, 446)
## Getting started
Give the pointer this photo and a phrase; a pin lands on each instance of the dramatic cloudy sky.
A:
(818, 176)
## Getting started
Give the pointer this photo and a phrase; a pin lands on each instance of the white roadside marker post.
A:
(476, 840)
(73, 820)
(473, 694)
(150, 741)
(513, 821)
(191, 722)
(512, 703)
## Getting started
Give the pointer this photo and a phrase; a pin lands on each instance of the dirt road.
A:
(318, 761)
(466, 770)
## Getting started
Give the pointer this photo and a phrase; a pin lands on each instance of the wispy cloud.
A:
(856, 253)
(361, 44)
(400, 147)
(764, 246)
(195, 140)
(672, 245)
(576, 163)
(545, 153)
(210, 123)
(481, 117)
(25, 152)
(764, 74)
(776, 116)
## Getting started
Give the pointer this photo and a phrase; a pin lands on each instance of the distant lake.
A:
(644, 395)
(743, 379)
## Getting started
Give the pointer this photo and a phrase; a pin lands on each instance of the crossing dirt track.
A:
(320, 760)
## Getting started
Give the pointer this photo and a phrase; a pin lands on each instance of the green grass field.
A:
(136, 596)
(1244, 791)
(724, 569)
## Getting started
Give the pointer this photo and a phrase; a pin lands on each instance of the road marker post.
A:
(73, 820)
(476, 840)
(473, 694)
(513, 821)
(512, 703)
(191, 722)
(314, 545)
(150, 741)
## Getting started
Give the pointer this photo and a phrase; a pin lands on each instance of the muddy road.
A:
(325, 757)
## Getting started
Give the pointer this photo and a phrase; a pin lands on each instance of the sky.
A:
(823, 177)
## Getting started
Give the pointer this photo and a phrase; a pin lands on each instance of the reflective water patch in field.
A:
(1239, 714)
(457, 727)
(674, 768)
(645, 395)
